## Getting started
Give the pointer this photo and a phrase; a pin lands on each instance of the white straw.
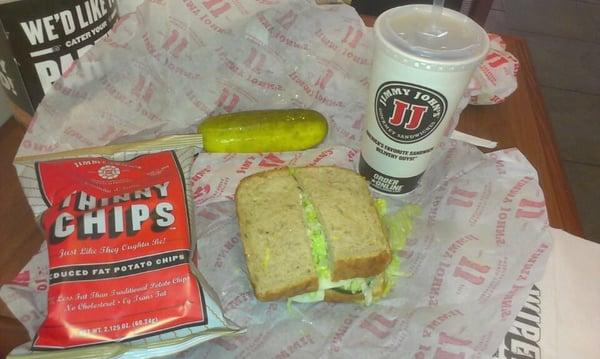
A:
(436, 11)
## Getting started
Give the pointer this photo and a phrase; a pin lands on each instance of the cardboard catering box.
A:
(40, 40)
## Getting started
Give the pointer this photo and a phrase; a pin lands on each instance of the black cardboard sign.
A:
(40, 40)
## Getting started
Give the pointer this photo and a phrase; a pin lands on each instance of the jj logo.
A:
(109, 172)
(201, 192)
(496, 59)
(173, 46)
(445, 343)
(255, 61)
(378, 325)
(271, 160)
(408, 113)
(225, 95)
(288, 19)
(216, 7)
(461, 198)
(415, 117)
(324, 79)
(143, 90)
(22, 279)
(531, 209)
(352, 37)
(471, 271)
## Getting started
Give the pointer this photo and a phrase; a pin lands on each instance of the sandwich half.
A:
(311, 234)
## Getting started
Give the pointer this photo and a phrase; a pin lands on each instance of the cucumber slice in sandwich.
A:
(312, 234)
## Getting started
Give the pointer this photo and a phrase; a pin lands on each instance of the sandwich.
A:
(312, 234)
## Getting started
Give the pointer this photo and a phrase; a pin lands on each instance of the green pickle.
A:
(263, 131)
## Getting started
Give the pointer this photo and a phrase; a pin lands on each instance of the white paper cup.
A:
(416, 83)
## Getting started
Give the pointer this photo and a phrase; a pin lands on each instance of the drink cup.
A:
(423, 62)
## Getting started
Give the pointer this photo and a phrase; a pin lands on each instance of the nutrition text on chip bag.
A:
(119, 326)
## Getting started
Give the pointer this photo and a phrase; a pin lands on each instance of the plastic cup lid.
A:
(416, 30)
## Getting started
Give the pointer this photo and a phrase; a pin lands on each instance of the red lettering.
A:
(288, 19)
(459, 202)
(416, 115)
(218, 11)
(464, 202)
(22, 279)
(527, 213)
(200, 191)
(378, 325)
(500, 60)
(141, 87)
(223, 98)
(445, 339)
(179, 48)
(459, 272)
(464, 193)
(271, 160)
(442, 354)
(252, 58)
(324, 79)
(354, 41)
(397, 117)
(171, 39)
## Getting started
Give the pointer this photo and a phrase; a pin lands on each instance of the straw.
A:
(438, 5)
(436, 12)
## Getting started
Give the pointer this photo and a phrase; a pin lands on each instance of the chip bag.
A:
(118, 223)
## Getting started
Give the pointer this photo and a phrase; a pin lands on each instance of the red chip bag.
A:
(118, 224)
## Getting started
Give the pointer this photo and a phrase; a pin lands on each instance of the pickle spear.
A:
(263, 131)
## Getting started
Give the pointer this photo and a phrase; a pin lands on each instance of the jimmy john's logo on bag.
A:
(109, 172)
(407, 113)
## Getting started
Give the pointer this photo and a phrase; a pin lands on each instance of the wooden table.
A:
(519, 122)
(522, 122)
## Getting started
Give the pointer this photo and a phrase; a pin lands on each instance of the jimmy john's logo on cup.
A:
(407, 113)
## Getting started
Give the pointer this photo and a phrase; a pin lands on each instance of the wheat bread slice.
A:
(275, 240)
(357, 246)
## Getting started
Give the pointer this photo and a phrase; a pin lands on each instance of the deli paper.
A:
(480, 243)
